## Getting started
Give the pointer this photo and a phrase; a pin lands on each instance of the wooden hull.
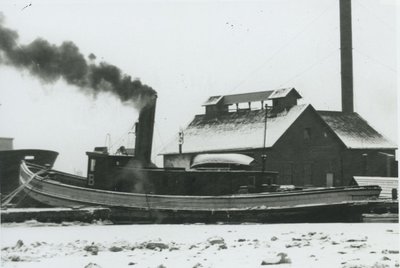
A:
(10, 161)
(261, 207)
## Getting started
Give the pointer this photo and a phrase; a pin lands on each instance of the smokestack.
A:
(346, 56)
(144, 131)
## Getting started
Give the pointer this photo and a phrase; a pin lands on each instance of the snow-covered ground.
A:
(248, 245)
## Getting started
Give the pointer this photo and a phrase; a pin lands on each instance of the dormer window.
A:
(92, 165)
(281, 99)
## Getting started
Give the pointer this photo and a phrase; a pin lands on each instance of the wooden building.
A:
(367, 152)
(306, 147)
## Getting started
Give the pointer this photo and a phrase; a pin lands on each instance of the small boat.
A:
(58, 189)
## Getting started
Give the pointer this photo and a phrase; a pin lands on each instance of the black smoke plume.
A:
(50, 62)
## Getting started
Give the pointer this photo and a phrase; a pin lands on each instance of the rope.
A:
(161, 143)
(10, 197)
(375, 60)
(309, 68)
(121, 137)
(378, 18)
(281, 48)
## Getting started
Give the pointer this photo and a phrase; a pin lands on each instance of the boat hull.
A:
(10, 161)
(315, 204)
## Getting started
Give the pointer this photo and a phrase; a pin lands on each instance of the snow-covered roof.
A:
(234, 131)
(354, 131)
(251, 96)
(247, 97)
(283, 92)
(213, 100)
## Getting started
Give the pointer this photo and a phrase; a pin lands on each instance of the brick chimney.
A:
(346, 56)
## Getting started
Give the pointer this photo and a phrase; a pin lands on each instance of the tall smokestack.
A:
(346, 56)
(144, 131)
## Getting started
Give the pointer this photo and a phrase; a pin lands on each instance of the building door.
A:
(329, 179)
(287, 174)
(307, 174)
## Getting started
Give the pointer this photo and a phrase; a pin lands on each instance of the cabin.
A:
(306, 147)
(125, 173)
(135, 173)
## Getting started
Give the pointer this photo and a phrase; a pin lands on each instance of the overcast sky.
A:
(187, 51)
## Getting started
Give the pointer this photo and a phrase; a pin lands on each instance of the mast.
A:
(264, 153)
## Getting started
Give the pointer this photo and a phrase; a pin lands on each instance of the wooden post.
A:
(263, 155)
(180, 141)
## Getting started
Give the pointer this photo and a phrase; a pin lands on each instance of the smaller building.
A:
(367, 152)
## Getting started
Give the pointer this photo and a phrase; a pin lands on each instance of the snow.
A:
(281, 93)
(213, 100)
(354, 131)
(242, 130)
(247, 245)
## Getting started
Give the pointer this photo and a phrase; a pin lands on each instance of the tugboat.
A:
(215, 188)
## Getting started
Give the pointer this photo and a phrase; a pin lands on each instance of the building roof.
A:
(386, 183)
(247, 97)
(251, 97)
(283, 92)
(354, 131)
(234, 131)
(213, 100)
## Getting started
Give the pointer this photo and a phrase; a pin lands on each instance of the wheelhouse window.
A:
(92, 165)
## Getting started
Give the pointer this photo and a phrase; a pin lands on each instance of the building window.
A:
(307, 133)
